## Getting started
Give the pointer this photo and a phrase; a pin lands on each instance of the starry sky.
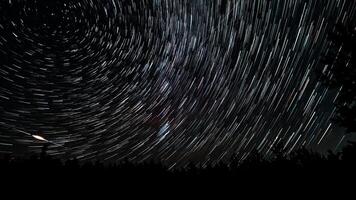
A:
(174, 80)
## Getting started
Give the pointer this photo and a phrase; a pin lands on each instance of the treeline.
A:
(300, 162)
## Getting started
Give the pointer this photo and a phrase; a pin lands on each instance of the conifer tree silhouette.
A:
(339, 72)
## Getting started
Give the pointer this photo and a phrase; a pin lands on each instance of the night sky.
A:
(174, 80)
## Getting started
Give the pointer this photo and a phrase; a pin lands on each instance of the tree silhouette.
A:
(339, 72)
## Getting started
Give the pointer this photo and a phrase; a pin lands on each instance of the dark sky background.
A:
(174, 80)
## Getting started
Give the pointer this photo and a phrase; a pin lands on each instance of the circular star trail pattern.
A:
(171, 80)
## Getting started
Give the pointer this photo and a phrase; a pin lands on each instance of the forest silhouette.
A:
(297, 164)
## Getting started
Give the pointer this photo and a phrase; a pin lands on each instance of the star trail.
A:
(174, 80)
